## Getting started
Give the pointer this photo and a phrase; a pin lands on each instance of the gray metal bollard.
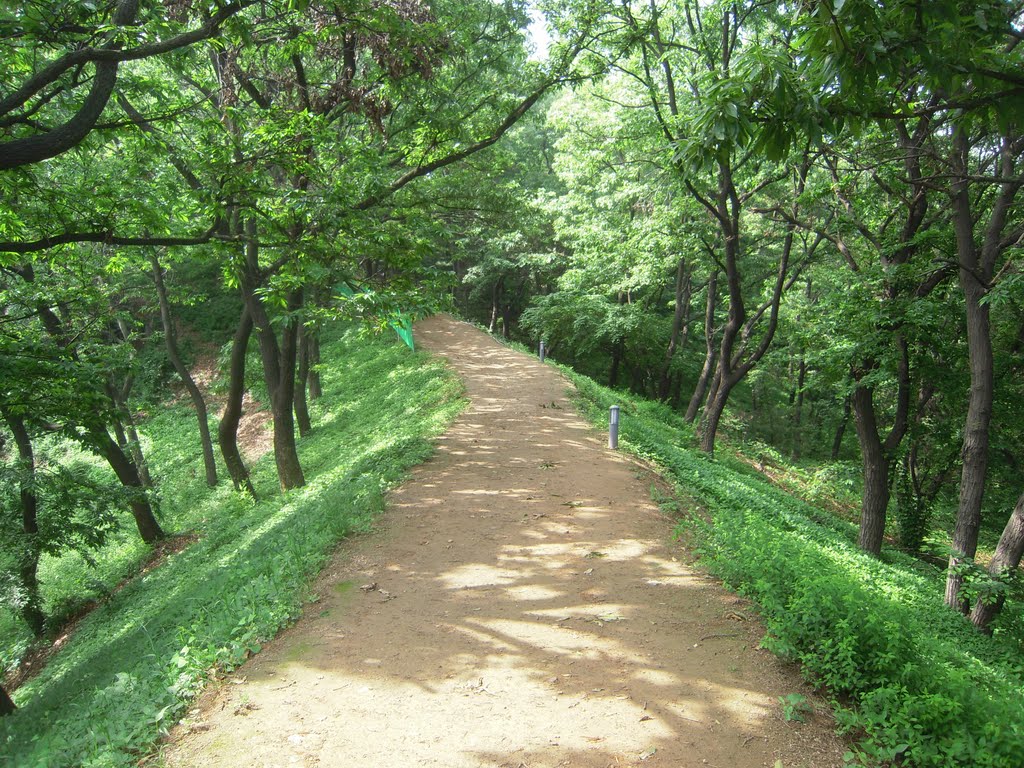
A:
(542, 351)
(613, 428)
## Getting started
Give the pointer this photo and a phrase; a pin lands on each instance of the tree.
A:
(198, 401)
(44, 112)
(55, 372)
(6, 705)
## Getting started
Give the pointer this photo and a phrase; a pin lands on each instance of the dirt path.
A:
(521, 606)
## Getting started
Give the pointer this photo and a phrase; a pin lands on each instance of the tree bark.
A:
(279, 363)
(977, 267)
(495, 304)
(613, 374)
(128, 474)
(798, 413)
(60, 139)
(735, 361)
(198, 402)
(301, 408)
(28, 557)
(711, 350)
(6, 705)
(837, 441)
(974, 454)
(1006, 558)
(134, 445)
(227, 431)
(712, 415)
(315, 387)
(678, 337)
(875, 500)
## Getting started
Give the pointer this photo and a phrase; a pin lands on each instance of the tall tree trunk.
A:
(495, 304)
(301, 408)
(798, 413)
(6, 705)
(315, 388)
(875, 500)
(711, 349)
(677, 390)
(198, 402)
(1006, 558)
(712, 415)
(977, 267)
(506, 320)
(837, 441)
(735, 359)
(734, 362)
(677, 337)
(28, 555)
(123, 424)
(227, 431)
(279, 363)
(728, 212)
(617, 352)
(135, 448)
(128, 474)
(976, 437)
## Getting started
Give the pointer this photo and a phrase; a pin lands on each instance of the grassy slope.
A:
(133, 663)
(913, 682)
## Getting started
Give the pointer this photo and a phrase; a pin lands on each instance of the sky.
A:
(538, 36)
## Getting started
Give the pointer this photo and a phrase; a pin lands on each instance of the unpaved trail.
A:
(520, 606)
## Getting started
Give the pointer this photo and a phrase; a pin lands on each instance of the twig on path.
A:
(720, 635)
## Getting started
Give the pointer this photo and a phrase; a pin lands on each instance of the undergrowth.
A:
(912, 682)
(133, 664)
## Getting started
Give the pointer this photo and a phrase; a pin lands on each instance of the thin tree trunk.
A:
(301, 408)
(711, 350)
(125, 433)
(798, 414)
(279, 363)
(681, 313)
(135, 449)
(227, 431)
(119, 434)
(128, 474)
(712, 415)
(6, 705)
(976, 271)
(837, 441)
(198, 402)
(677, 391)
(1006, 558)
(976, 437)
(875, 500)
(28, 556)
(613, 374)
(315, 388)
(495, 305)
(506, 321)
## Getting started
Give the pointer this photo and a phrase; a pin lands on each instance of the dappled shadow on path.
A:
(521, 607)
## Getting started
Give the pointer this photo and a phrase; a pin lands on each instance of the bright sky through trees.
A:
(540, 40)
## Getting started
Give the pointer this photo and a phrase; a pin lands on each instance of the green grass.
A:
(913, 683)
(133, 664)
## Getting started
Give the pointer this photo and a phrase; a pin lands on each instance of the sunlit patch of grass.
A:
(134, 662)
